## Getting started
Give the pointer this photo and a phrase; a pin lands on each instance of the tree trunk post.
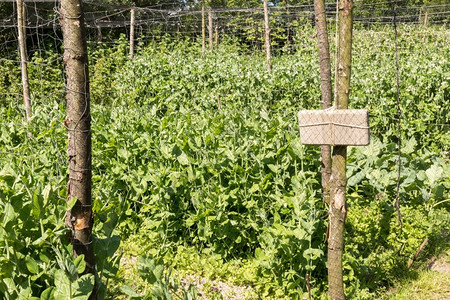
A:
(338, 182)
(267, 36)
(217, 36)
(99, 34)
(203, 30)
(325, 85)
(23, 57)
(210, 30)
(132, 22)
(80, 218)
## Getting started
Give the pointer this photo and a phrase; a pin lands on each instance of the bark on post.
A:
(325, 85)
(23, 57)
(132, 22)
(338, 205)
(267, 36)
(217, 36)
(203, 30)
(79, 219)
(99, 34)
(210, 29)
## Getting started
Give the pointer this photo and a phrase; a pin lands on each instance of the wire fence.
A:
(291, 30)
(105, 22)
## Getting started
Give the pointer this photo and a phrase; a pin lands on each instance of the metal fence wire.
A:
(381, 130)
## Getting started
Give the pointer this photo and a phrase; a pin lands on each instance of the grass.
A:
(431, 281)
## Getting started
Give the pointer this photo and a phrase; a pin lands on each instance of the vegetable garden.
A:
(198, 169)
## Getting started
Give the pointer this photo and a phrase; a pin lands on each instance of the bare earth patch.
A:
(440, 265)
(207, 288)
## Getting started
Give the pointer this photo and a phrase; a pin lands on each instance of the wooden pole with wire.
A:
(267, 36)
(80, 217)
(210, 30)
(338, 181)
(216, 36)
(23, 57)
(326, 88)
(132, 24)
(203, 29)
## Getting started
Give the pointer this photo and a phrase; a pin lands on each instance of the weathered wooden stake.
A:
(325, 85)
(338, 182)
(217, 36)
(203, 30)
(23, 57)
(99, 34)
(79, 218)
(267, 36)
(425, 21)
(132, 23)
(210, 29)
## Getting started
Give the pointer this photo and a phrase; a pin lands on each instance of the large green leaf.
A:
(63, 286)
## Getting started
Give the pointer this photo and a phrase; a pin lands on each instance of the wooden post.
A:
(79, 219)
(420, 15)
(267, 36)
(203, 30)
(210, 29)
(425, 21)
(338, 183)
(217, 36)
(132, 22)
(23, 57)
(99, 34)
(325, 85)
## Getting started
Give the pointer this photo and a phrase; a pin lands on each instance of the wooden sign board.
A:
(334, 127)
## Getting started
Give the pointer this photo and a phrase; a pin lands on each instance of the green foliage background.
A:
(197, 161)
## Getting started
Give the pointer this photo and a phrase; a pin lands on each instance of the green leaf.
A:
(264, 115)
(9, 214)
(124, 153)
(158, 271)
(80, 263)
(373, 149)
(71, 203)
(63, 285)
(259, 254)
(357, 178)
(129, 291)
(46, 192)
(32, 265)
(83, 287)
(26, 294)
(434, 173)
(110, 223)
(40, 240)
(254, 188)
(183, 159)
(37, 205)
(48, 293)
(274, 168)
(312, 254)
(7, 175)
(410, 146)
(71, 270)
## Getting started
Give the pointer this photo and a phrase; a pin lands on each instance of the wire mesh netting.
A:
(207, 145)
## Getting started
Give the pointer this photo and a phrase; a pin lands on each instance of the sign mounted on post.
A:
(348, 127)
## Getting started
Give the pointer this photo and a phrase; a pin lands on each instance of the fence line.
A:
(120, 17)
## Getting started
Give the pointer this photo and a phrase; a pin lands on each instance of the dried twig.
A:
(425, 242)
